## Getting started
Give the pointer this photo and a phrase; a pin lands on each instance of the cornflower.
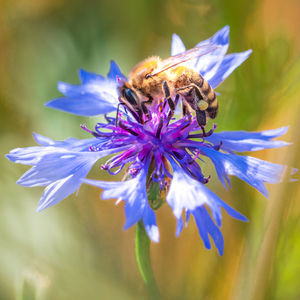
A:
(162, 154)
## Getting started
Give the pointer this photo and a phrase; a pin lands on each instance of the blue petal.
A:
(57, 165)
(32, 155)
(187, 217)
(87, 77)
(135, 201)
(43, 140)
(68, 89)
(232, 212)
(70, 143)
(201, 224)
(151, 228)
(134, 193)
(221, 37)
(28, 156)
(61, 165)
(179, 226)
(87, 105)
(207, 65)
(60, 189)
(188, 194)
(215, 66)
(242, 141)
(115, 71)
(254, 171)
(184, 192)
(177, 45)
(96, 95)
(207, 227)
(261, 135)
(228, 65)
(74, 144)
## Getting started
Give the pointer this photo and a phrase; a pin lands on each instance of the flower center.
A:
(155, 140)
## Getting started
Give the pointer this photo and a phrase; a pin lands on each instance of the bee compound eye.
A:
(131, 96)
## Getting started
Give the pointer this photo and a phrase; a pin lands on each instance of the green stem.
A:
(142, 253)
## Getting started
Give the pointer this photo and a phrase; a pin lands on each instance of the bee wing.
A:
(180, 58)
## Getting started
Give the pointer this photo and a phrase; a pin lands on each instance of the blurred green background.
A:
(78, 249)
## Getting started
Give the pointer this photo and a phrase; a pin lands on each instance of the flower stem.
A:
(142, 253)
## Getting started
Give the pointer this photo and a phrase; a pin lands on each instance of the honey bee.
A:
(154, 79)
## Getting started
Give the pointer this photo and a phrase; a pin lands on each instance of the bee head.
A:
(129, 94)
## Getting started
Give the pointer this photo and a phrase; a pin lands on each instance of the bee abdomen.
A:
(212, 112)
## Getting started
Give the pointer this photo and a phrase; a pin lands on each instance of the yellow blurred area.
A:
(78, 249)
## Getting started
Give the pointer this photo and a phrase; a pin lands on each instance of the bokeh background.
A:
(78, 249)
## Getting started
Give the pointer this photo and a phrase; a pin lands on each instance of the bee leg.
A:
(176, 99)
(126, 108)
(201, 119)
(145, 109)
(117, 115)
(150, 99)
(200, 107)
(184, 109)
(168, 96)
